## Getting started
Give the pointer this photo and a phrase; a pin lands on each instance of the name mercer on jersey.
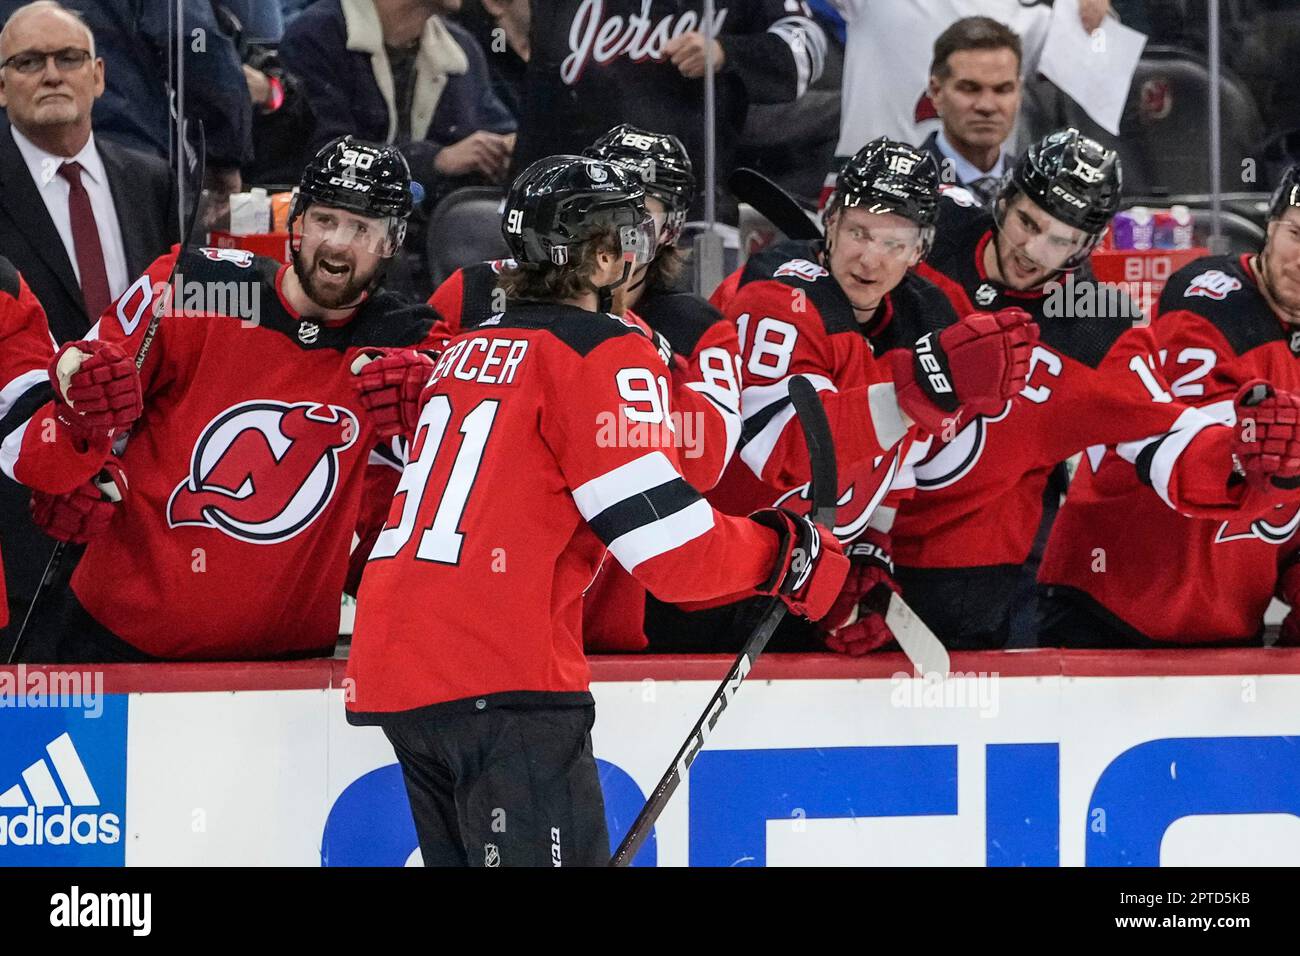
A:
(488, 361)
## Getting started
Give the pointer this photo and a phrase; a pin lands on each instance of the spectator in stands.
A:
(282, 118)
(885, 85)
(396, 71)
(134, 39)
(975, 87)
(501, 29)
(80, 216)
(594, 65)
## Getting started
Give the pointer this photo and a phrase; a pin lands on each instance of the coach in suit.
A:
(80, 218)
(976, 90)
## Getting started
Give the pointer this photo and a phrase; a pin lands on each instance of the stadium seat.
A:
(1164, 136)
(465, 228)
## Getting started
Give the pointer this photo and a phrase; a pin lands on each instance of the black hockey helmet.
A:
(660, 162)
(560, 202)
(1071, 178)
(1287, 194)
(889, 176)
(365, 178)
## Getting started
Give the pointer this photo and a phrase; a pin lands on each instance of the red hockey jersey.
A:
(1117, 544)
(705, 391)
(246, 469)
(1092, 381)
(516, 485)
(794, 319)
(35, 450)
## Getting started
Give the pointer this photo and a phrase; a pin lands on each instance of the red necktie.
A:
(85, 239)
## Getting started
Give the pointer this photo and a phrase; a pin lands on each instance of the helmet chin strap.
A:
(605, 293)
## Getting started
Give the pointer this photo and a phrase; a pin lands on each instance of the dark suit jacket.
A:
(141, 188)
(947, 170)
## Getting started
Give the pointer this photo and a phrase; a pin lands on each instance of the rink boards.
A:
(1031, 758)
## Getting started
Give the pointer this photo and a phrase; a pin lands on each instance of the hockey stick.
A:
(821, 452)
(772, 203)
(55, 564)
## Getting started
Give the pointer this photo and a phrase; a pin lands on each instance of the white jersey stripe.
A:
(659, 537)
(628, 479)
(20, 386)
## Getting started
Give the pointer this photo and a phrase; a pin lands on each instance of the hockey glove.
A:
(1266, 437)
(810, 566)
(973, 367)
(84, 512)
(96, 388)
(390, 382)
(856, 624)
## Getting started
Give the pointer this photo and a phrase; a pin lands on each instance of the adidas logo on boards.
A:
(35, 811)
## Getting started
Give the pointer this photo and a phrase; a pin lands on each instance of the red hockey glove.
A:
(855, 624)
(973, 367)
(96, 388)
(390, 382)
(1288, 591)
(810, 566)
(84, 512)
(1266, 438)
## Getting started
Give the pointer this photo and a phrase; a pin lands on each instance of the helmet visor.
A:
(638, 243)
(330, 226)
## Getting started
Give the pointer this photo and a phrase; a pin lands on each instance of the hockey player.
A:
(704, 377)
(246, 469)
(510, 498)
(49, 440)
(883, 347)
(1121, 568)
(960, 542)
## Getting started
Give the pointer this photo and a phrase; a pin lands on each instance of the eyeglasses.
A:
(33, 61)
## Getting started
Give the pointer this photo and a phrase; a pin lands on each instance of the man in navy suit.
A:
(975, 87)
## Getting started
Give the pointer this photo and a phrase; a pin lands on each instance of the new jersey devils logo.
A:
(262, 471)
(858, 501)
(1278, 528)
(951, 461)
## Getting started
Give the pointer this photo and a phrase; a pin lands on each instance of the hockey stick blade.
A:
(817, 433)
(772, 203)
(919, 643)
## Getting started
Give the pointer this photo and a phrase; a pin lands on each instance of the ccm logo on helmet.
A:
(262, 471)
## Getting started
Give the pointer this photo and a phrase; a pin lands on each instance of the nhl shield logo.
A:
(1295, 343)
(985, 294)
(262, 471)
(308, 332)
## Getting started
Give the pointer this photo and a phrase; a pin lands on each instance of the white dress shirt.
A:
(963, 168)
(54, 190)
